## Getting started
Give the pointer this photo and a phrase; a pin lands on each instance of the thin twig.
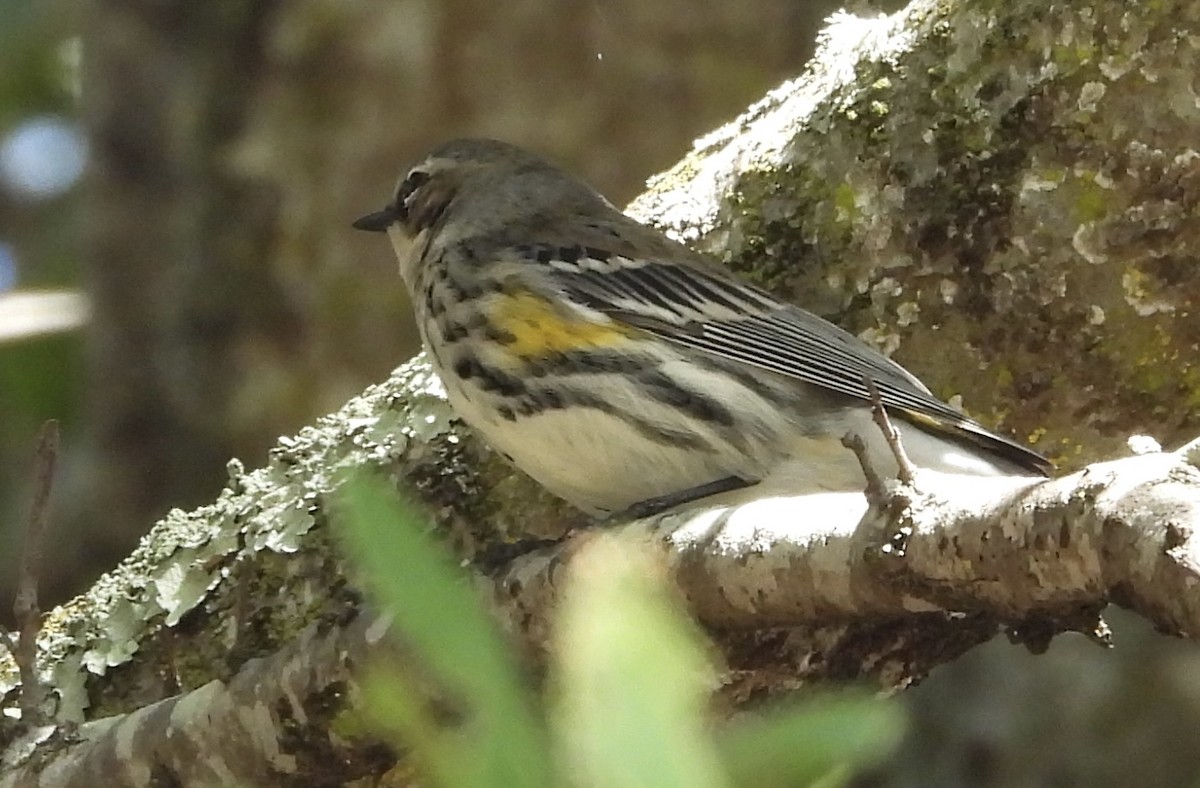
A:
(25, 605)
(907, 471)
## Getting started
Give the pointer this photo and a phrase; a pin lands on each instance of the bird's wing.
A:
(702, 308)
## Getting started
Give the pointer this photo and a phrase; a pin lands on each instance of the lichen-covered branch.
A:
(1004, 198)
(273, 723)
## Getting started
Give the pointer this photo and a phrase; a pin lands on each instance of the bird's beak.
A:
(379, 221)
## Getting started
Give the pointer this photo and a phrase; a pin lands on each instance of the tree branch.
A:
(1013, 551)
(271, 724)
(977, 188)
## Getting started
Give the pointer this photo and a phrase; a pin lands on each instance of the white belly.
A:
(602, 463)
(593, 459)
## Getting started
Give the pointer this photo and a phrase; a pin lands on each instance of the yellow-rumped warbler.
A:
(618, 367)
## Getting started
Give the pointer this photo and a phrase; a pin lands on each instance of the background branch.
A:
(23, 646)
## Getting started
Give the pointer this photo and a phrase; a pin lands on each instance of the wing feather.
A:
(702, 308)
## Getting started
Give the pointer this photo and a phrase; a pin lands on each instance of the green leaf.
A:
(396, 706)
(633, 680)
(500, 741)
(811, 743)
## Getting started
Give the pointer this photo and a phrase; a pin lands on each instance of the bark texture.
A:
(996, 191)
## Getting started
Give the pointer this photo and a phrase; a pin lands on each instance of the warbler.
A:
(623, 370)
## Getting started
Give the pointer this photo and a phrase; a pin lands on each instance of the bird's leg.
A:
(854, 442)
(496, 557)
(661, 503)
(907, 471)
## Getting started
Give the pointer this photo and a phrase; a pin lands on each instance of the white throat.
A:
(408, 252)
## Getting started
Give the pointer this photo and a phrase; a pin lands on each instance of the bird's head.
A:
(479, 187)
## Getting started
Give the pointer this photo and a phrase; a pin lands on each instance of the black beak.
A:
(377, 222)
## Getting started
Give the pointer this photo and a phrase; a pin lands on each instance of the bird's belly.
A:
(605, 460)
(595, 460)
(607, 453)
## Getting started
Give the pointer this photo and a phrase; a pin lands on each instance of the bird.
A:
(626, 372)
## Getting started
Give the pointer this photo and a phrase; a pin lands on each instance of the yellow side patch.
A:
(539, 328)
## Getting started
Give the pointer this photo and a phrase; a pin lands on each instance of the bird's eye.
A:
(415, 180)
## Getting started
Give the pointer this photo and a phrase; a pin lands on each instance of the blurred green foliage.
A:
(626, 696)
(500, 740)
(34, 76)
(42, 376)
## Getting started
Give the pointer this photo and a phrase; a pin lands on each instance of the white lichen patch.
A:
(948, 290)
(187, 554)
(1088, 242)
(1090, 95)
(908, 313)
(1041, 181)
(117, 637)
(68, 678)
(1144, 302)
